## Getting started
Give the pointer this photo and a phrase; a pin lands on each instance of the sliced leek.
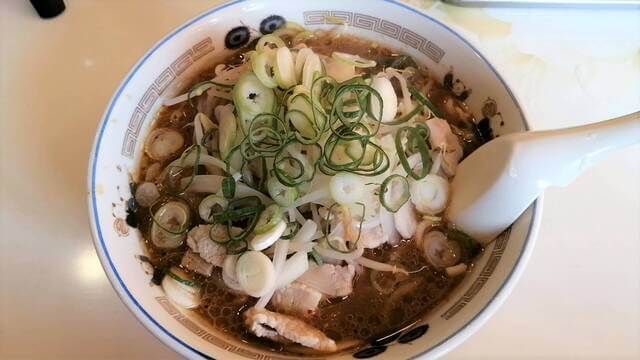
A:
(394, 192)
(285, 72)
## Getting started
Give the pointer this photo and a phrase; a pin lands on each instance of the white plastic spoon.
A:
(498, 181)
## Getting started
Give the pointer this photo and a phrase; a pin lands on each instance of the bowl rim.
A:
(187, 350)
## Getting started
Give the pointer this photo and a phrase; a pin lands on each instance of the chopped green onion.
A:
(267, 134)
(313, 254)
(207, 206)
(295, 163)
(182, 229)
(292, 229)
(229, 187)
(425, 101)
(415, 142)
(390, 204)
(269, 218)
(265, 42)
(177, 278)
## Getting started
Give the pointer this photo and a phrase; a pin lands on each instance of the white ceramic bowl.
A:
(171, 63)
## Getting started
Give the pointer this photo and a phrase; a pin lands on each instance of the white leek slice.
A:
(346, 188)
(180, 289)
(262, 241)
(311, 70)
(162, 143)
(251, 98)
(205, 209)
(265, 41)
(429, 194)
(285, 69)
(283, 195)
(300, 114)
(263, 65)
(227, 132)
(168, 229)
(301, 57)
(293, 268)
(229, 272)
(389, 99)
(255, 273)
(306, 232)
(354, 60)
(269, 219)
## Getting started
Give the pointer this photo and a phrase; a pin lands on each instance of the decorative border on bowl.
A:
(182, 63)
(379, 25)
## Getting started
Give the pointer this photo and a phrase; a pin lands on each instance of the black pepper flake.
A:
(448, 81)
(158, 275)
(132, 219)
(484, 130)
(463, 96)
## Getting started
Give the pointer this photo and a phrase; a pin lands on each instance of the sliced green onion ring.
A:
(199, 89)
(263, 65)
(316, 257)
(207, 208)
(425, 101)
(292, 229)
(265, 41)
(177, 278)
(267, 134)
(269, 218)
(386, 192)
(229, 187)
(166, 206)
(296, 162)
(415, 142)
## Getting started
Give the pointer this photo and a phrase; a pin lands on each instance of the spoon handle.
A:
(498, 181)
(564, 154)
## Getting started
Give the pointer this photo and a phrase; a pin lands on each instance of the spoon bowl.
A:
(498, 181)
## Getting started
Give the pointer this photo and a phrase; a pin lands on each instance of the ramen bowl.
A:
(173, 62)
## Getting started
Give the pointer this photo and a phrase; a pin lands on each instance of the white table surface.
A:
(579, 297)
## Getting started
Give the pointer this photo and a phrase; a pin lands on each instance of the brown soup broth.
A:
(367, 313)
